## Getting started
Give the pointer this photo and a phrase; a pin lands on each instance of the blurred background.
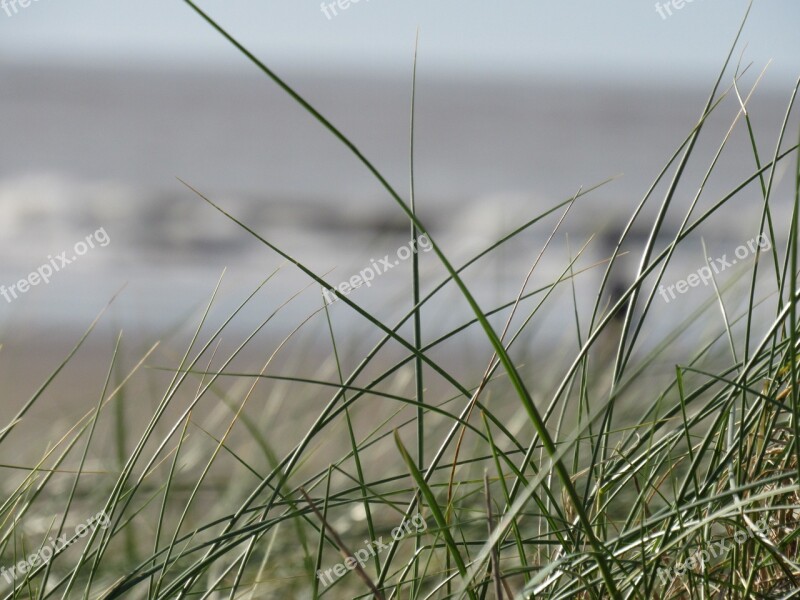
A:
(104, 104)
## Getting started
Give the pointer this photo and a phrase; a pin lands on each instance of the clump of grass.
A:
(597, 485)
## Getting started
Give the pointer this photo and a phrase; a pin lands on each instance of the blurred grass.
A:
(584, 473)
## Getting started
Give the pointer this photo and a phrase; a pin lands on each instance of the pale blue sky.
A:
(614, 38)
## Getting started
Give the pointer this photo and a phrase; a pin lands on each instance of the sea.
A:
(133, 151)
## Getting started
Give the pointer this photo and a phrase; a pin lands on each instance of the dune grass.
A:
(532, 480)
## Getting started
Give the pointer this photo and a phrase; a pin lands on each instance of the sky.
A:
(614, 39)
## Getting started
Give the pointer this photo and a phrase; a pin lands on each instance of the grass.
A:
(585, 473)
